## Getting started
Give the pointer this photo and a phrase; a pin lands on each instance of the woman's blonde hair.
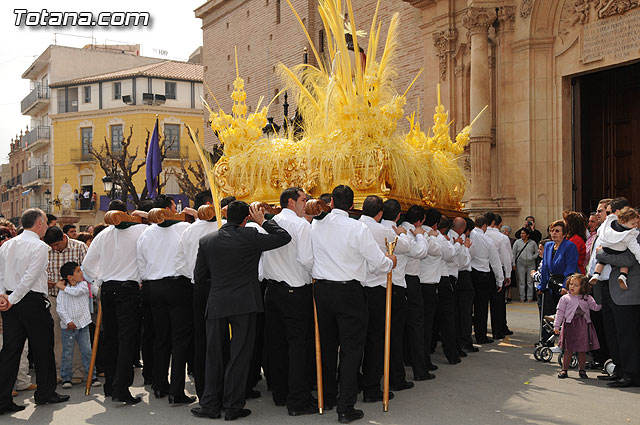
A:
(627, 214)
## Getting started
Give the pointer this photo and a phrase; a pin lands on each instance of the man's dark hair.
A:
(390, 209)
(164, 201)
(481, 220)
(592, 213)
(68, 269)
(29, 217)
(326, 198)
(491, 218)
(117, 205)
(414, 214)
(50, 218)
(372, 205)
(289, 193)
(498, 219)
(527, 231)
(226, 201)
(432, 216)
(202, 198)
(54, 234)
(68, 227)
(444, 224)
(342, 197)
(530, 217)
(98, 228)
(619, 203)
(146, 205)
(470, 224)
(237, 212)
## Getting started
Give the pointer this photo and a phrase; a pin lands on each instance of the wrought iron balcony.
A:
(35, 100)
(35, 174)
(36, 137)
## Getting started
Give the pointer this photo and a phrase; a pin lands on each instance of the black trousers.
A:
(483, 284)
(627, 318)
(288, 325)
(600, 355)
(259, 358)
(148, 332)
(29, 318)
(610, 327)
(120, 319)
(228, 378)
(399, 309)
(200, 297)
(464, 308)
(171, 303)
(498, 311)
(342, 320)
(430, 300)
(414, 327)
(445, 313)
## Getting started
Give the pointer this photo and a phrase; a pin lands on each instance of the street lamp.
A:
(107, 181)
(47, 198)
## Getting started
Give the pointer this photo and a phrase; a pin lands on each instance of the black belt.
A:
(282, 283)
(30, 293)
(169, 278)
(478, 271)
(122, 283)
(341, 282)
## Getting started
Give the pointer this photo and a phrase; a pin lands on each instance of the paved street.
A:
(500, 384)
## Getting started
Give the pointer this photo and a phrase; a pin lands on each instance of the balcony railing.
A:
(35, 173)
(39, 93)
(181, 152)
(42, 132)
(81, 155)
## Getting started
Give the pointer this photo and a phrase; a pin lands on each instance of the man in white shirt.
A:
(25, 312)
(288, 307)
(111, 264)
(375, 290)
(464, 285)
(498, 302)
(185, 263)
(343, 250)
(171, 301)
(415, 313)
(486, 273)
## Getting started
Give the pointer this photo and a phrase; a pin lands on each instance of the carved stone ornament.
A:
(478, 18)
(507, 17)
(573, 12)
(606, 8)
(525, 8)
(444, 42)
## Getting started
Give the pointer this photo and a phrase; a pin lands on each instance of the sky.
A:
(173, 33)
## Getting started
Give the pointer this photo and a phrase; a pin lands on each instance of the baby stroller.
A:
(545, 348)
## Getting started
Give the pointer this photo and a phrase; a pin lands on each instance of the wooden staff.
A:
(391, 246)
(114, 217)
(318, 355)
(159, 215)
(94, 351)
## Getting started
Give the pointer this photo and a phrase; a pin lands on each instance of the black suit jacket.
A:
(229, 258)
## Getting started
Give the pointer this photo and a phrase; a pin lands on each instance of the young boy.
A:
(75, 317)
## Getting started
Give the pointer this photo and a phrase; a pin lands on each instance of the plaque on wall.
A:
(616, 38)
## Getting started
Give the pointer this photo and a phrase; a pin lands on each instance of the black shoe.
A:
(470, 349)
(233, 414)
(462, 353)
(252, 394)
(455, 361)
(182, 399)
(11, 408)
(280, 402)
(308, 409)
(201, 412)
(499, 336)
(159, 394)
(431, 367)
(608, 377)
(330, 404)
(622, 383)
(593, 365)
(484, 341)
(354, 415)
(55, 398)
(376, 397)
(404, 385)
(426, 377)
(508, 332)
(127, 400)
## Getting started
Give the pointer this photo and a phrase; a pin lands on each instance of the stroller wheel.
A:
(536, 353)
(561, 358)
(546, 354)
(574, 361)
(609, 367)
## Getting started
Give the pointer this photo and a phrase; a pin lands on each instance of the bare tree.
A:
(191, 180)
(121, 165)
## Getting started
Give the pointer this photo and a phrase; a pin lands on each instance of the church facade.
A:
(561, 78)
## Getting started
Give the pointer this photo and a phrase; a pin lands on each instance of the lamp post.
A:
(107, 181)
(47, 199)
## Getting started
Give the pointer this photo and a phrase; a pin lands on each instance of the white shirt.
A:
(419, 250)
(112, 255)
(464, 259)
(188, 245)
(381, 232)
(403, 254)
(484, 255)
(344, 249)
(73, 306)
(157, 249)
(447, 257)
(291, 263)
(504, 248)
(430, 266)
(454, 265)
(23, 266)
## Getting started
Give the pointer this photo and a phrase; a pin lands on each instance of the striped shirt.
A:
(73, 306)
(74, 251)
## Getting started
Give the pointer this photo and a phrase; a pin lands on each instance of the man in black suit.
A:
(229, 258)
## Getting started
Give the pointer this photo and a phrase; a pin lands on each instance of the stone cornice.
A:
(478, 19)
(127, 110)
(420, 4)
